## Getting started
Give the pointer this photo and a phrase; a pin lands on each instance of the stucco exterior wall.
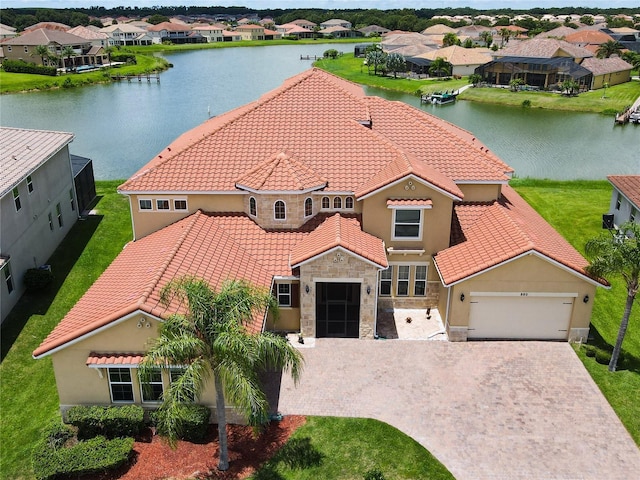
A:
(351, 270)
(480, 193)
(615, 78)
(623, 213)
(525, 275)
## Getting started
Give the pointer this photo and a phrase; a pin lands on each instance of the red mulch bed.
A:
(154, 459)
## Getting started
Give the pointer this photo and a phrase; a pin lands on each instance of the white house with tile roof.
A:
(342, 213)
(625, 199)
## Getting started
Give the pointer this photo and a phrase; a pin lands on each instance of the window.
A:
(253, 208)
(403, 280)
(618, 201)
(16, 199)
(29, 184)
(59, 214)
(145, 204)
(162, 204)
(308, 207)
(337, 202)
(179, 204)
(50, 221)
(120, 385)
(420, 285)
(325, 203)
(152, 389)
(8, 280)
(633, 215)
(348, 203)
(72, 200)
(279, 210)
(175, 375)
(407, 224)
(284, 294)
(26, 49)
(385, 281)
(8, 48)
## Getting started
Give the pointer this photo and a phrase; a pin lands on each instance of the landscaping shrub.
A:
(193, 422)
(112, 422)
(129, 58)
(36, 279)
(331, 53)
(526, 103)
(19, 66)
(590, 351)
(603, 357)
(91, 456)
(374, 474)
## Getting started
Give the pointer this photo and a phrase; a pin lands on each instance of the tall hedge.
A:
(19, 66)
(112, 422)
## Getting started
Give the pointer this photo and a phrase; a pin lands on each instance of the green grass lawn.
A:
(575, 209)
(20, 82)
(343, 448)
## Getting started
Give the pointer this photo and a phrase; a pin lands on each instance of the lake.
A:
(121, 126)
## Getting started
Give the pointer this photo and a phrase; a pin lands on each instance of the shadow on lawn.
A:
(297, 454)
(626, 361)
(62, 261)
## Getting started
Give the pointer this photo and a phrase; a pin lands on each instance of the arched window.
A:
(253, 209)
(337, 202)
(325, 203)
(348, 203)
(308, 207)
(279, 210)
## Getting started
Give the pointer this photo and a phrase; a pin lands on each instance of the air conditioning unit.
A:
(607, 221)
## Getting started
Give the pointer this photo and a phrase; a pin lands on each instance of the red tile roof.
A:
(315, 118)
(282, 172)
(484, 235)
(410, 202)
(338, 231)
(97, 360)
(628, 185)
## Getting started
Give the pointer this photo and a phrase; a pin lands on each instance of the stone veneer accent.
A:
(294, 210)
(351, 269)
(458, 334)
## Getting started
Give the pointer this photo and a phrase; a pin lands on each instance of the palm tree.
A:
(487, 38)
(618, 254)
(450, 39)
(43, 52)
(109, 50)
(210, 340)
(68, 52)
(505, 34)
(439, 66)
(612, 47)
(396, 63)
(377, 58)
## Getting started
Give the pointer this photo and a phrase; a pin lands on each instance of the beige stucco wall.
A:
(612, 79)
(351, 270)
(480, 193)
(288, 320)
(527, 274)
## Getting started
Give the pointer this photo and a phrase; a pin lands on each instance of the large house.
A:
(625, 200)
(344, 205)
(38, 203)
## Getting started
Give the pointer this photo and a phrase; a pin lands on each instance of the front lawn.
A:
(575, 210)
(348, 448)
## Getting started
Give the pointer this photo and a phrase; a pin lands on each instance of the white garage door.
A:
(519, 317)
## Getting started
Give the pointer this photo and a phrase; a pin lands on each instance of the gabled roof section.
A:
(485, 235)
(544, 48)
(43, 36)
(339, 231)
(602, 66)
(282, 172)
(628, 185)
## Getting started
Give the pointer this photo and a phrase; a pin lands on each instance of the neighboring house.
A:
(178, 33)
(24, 47)
(558, 33)
(38, 204)
(335, 22)
(228, 36)
(464, 61)
(439, 29)
(60, 27)
(373, 31)
(7, 32)
(306, 24)
(211, 33)
(293, 30)
(474, 31)
(342, 212)
(272, 34)
(625, 199)
(337, 31)
(124, 34)
(393, 41)
(612, 71)
(97, 38)
(251, 31)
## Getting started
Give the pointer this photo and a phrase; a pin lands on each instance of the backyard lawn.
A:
(28, 396)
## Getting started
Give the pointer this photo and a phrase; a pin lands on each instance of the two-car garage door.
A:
(520, 316)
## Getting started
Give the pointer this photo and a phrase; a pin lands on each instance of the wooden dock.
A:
(140, 77)
(311, 57)
(622, 118)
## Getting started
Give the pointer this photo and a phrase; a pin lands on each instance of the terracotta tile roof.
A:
(559, 32)
(438, 29)
(410, 202)
(485, 235)
(595, 37)
(339, 231)
(282, 172)
(169, 27)
(544, 48)
(602, 66)
(215, 247)
(43, 36)
(457, 55)
(97, 360)
(628, 185)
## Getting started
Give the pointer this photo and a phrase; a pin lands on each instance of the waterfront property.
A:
(343, 214)
(625, 200)
(38, 202)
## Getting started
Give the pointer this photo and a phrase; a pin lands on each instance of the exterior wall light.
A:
(368, 289)
(586, 299)
(462, 297)
(306, 288)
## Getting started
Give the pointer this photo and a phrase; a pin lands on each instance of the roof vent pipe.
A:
(366, 123)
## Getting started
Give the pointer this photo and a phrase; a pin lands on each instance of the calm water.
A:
(121, 126)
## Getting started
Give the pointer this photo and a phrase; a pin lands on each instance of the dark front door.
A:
(338, 310)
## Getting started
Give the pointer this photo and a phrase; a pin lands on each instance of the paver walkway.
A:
(487, 410)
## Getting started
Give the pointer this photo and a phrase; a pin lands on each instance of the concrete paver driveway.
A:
(490, 410)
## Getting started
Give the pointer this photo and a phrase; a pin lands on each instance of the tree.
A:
(376, 58)
(109, 50)
(439, 67)
(611, 47)
(505, 34)
(618, 255)
(157, 18)
(475, 79)
(468, 43)
(487, 38)
(570, 87)
(450, 39)
(210, 340)
(68, 52)
(43, 52)
(587, 20)
(514, 84)
(396, 63)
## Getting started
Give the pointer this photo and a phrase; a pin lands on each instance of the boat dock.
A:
(630, 114)
(311, 57)
(142, 76)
